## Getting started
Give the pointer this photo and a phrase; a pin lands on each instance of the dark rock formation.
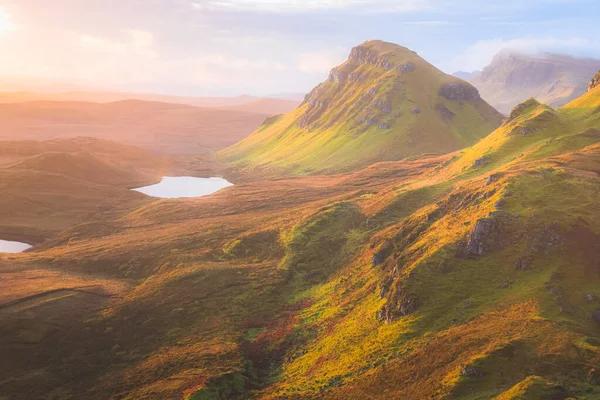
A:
(407, 305)
(406, 67)
(480, 162)
(363, 55)
(459, 92)
(416, 110)
(595, 82)
(492, 178)
(384, 252)
(483, 237)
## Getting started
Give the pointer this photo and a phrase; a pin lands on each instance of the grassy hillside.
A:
(472, 275)
(50, 186)
(384, 103)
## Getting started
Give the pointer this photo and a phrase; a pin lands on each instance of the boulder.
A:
(480, 162)
(483, 237)
(590, 298)
(416, 110)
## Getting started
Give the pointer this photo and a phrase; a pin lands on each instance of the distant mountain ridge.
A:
(552, 79)
(384, 103)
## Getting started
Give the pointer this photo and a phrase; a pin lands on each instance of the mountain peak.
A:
(553, 79)
(384, 103)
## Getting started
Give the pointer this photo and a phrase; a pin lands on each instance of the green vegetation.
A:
(384, 103)
(473, 275)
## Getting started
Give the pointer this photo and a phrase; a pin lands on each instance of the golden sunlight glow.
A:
(6, 23)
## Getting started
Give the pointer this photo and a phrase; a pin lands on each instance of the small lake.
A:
(13, 247)
(172, 187)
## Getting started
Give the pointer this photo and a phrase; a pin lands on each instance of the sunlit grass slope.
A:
(384, 103)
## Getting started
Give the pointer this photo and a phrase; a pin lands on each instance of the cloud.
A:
(477, 56)
(132, 41)
(283, 6)
(320, 62)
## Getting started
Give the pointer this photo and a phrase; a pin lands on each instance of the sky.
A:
(263, 47)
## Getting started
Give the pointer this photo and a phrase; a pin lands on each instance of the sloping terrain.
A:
(50, 186)
(162, 128)
(385, 103)
(472, 275)
(551, 79)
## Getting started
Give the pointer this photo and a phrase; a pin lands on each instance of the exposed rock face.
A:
(480, 162)
(406, 305)
(406, 67)
(363, 55)
(484, 237)
(595, 82)
(551, 79)
(459, 92)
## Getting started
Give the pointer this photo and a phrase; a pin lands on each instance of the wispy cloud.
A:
(284, 6)
(320, 62)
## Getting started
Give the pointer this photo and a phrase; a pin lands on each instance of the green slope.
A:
(384, 103)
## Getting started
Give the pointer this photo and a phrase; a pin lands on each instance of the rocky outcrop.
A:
(595, 82)
(338, 76)
(382, 253)
(483, 238)
(364, 55)
(459, 92)
(406, 67)
(406, 304)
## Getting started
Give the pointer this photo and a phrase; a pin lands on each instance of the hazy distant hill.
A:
(270, 105)
(465, 75)
(551, 79)
(384, 103)
(164, 128)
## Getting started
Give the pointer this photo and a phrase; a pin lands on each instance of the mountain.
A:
(465, 75)
(164, 128)
(384, 103)
(552, 79)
